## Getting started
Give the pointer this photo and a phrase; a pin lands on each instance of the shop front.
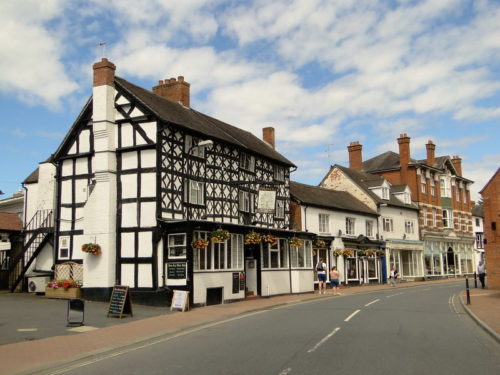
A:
(407, 257)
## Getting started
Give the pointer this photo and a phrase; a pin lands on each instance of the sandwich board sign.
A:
(120, 303)
(180, 300)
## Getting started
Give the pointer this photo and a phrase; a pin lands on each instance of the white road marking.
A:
(323, 340)
(27, 329)
(350, 316)
(368, 304)
(392, 295)
(82, 329)
(285, 371)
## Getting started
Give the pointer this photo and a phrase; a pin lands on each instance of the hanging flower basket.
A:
(361, 253)
(348, 253)
(380, 252)
(369, 253)
(220, 235)
(253, 238)
(319, 243)
(270, 239)
(200, 243)
(295, 242)
(91, 248)
(338, 253)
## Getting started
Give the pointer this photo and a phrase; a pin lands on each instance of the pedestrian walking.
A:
(393, 276)
(481, 272)
(321, 269)
(334, 280)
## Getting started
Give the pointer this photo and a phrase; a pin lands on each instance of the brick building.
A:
(491, 209)
(443, 198)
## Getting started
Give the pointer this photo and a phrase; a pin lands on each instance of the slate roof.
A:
(367, 180)
(191, 119)
(477, 210)
(32, 178)
(9, 221)
(327, 198)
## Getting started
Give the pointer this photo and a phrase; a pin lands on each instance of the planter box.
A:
(70, 293)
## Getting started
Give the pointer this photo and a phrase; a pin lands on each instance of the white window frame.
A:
(447, 218)
(350, 226)
(433, 187)
(479, 240)
(198, 152)
(434, 217)
(369, 228)
(407, 198)
(457, 193)
(247, 162)
(301, 257)
(195, 192)
(387, 224)
(425, 216)
(324, 223)
(464, 195)
(409, 227)
(423, 184)
(279, 173)
(280, 208)
(226, 251)
(445, 187)
(246, 201)
(279, 252)
(64, 244)
(385, 193)
(175, 247)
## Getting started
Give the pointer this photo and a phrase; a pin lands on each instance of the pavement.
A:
(34, 335)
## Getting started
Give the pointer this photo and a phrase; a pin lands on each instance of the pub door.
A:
(251, 277)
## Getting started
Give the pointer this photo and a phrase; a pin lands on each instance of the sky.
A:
(322, 73)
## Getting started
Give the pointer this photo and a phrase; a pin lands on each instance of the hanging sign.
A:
(266, 200)
(180, 300)
(120, 303)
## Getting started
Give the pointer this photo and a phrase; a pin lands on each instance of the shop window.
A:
(301, 257)
(219, 255)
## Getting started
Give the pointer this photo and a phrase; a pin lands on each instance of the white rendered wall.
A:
(202, 281)
(100, 210)
(302, 281)
(275, 282)
(399, 216)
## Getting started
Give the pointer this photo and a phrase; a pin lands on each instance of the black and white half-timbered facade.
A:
(175, 199)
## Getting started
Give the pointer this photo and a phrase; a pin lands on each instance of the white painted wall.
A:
(302, 281)
(275, 282)
(399, 215)
(202, 281)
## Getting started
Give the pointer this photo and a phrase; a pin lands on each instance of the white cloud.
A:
(30, 58)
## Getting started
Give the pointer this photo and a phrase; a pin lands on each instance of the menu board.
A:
(180, 300)
(120, 303)
(176, 270)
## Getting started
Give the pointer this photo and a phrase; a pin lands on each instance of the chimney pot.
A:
(104, 73)
(457, 163)
(180, 79)
(176, 91)
(404, 156)
(431, 147)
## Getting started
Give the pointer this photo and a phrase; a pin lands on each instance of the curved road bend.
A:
(420, 330)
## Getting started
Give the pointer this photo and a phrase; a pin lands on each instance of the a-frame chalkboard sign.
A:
(120, 303)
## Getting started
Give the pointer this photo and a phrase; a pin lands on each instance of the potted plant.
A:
(220, 235)
(295, 242)
(200, 243)
(253, 238)
(369, 253)
(270, 239)
(91, 248)
(319, 243)
(64, 289)
(348, 253)
(361, 253)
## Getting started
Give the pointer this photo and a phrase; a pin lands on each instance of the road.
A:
(420, 330)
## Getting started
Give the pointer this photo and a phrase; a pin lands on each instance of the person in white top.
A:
(321, 269)
(481, 272)
(393, 276)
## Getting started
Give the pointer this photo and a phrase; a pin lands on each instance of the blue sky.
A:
(323, 73)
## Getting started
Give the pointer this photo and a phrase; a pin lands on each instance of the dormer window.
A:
(385, 193)
(247, 162)
(407, 198)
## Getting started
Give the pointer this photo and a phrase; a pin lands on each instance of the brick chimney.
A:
(457, 163)
(268, 136)
(175, 90)
(431, 147)
(404, 156)
(104, 73)
(355, 156)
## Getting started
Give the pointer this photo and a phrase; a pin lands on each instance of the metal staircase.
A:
(37, 234)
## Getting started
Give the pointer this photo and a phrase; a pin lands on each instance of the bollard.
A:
(475, 280)
(467, 290)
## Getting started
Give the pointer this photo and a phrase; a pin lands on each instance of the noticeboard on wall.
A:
(266, 200)
(176, 273)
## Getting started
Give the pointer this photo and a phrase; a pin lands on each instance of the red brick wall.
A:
(295, 216)
(491, 206)
(104, 73)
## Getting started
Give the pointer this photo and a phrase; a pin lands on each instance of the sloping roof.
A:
(32, 178)
(497, 173)
(398, 188)
(9, 221)
(328, 198)
(477, 210)
(191, 119)
(367, 180)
